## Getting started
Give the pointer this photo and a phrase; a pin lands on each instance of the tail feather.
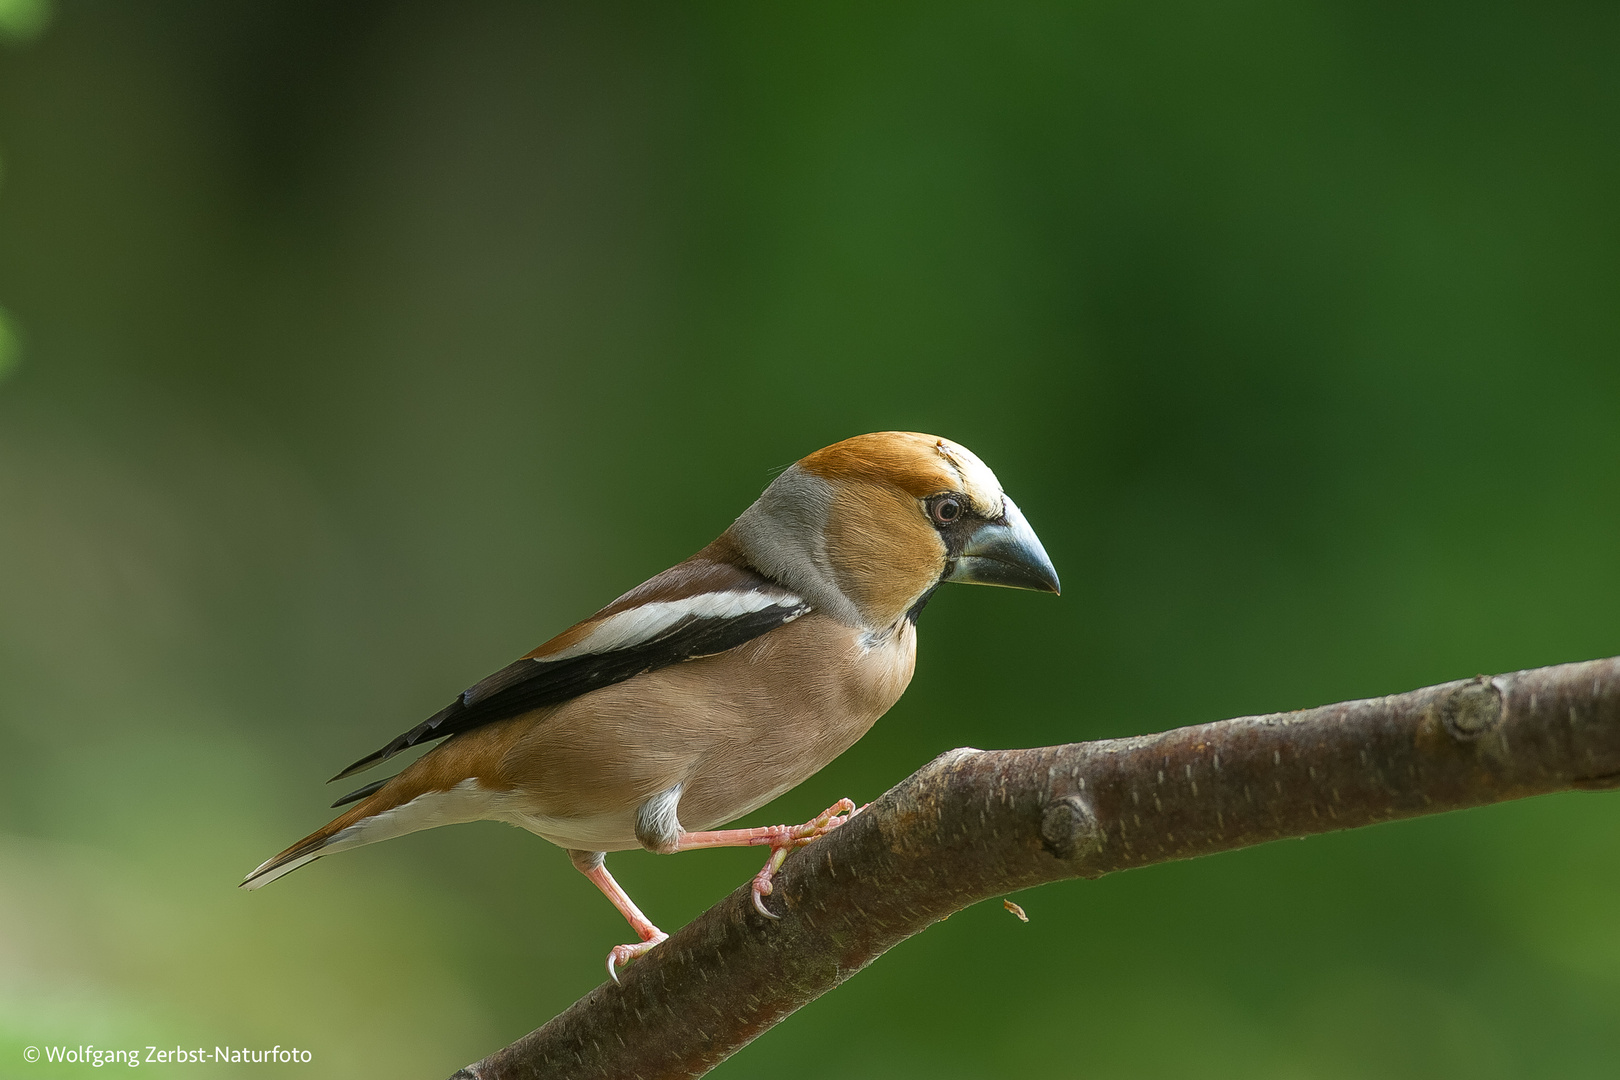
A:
(280, 866)
(320, 842)
(412, 801)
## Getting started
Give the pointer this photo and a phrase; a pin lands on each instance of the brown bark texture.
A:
(975, 824)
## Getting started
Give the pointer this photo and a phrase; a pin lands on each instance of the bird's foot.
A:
(620, 955)
(785, 838)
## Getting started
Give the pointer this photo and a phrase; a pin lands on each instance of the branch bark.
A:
(974, 824)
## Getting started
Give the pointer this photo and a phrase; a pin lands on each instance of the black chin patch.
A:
(922, 601)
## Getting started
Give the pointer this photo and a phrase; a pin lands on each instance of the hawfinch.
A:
(707, 691)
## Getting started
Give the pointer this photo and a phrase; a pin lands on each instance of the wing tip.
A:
(426, 731)
(360, 766)
(361, 792)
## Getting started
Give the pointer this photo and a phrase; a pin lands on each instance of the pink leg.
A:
(649, 934)
(780, 838)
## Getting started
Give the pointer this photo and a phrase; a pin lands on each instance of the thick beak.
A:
(1007, 553)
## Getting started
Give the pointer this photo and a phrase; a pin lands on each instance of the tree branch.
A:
(974, 824)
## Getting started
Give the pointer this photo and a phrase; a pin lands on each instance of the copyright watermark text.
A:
(135, 1056)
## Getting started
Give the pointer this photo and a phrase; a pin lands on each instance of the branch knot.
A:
(1068, 826)
(1472, 709)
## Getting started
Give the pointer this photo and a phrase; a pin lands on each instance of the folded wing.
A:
(700, 607)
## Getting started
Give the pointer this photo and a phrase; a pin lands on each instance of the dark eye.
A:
(946, 510)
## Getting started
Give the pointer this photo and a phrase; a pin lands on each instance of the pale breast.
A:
(735, 730)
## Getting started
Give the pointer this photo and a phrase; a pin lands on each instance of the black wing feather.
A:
(359, 793)
(532, 684)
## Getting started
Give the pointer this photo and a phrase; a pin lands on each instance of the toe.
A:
(760, 888)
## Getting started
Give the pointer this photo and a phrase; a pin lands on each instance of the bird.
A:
(715, 686)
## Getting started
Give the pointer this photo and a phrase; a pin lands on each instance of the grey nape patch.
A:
(781, 533)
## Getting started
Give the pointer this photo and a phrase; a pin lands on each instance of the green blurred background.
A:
(350, 350)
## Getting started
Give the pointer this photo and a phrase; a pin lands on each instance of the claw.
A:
(623, 954)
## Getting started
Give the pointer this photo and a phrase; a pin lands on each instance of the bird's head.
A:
(865, 529)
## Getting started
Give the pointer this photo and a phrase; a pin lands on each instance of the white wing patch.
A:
(646, 622)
